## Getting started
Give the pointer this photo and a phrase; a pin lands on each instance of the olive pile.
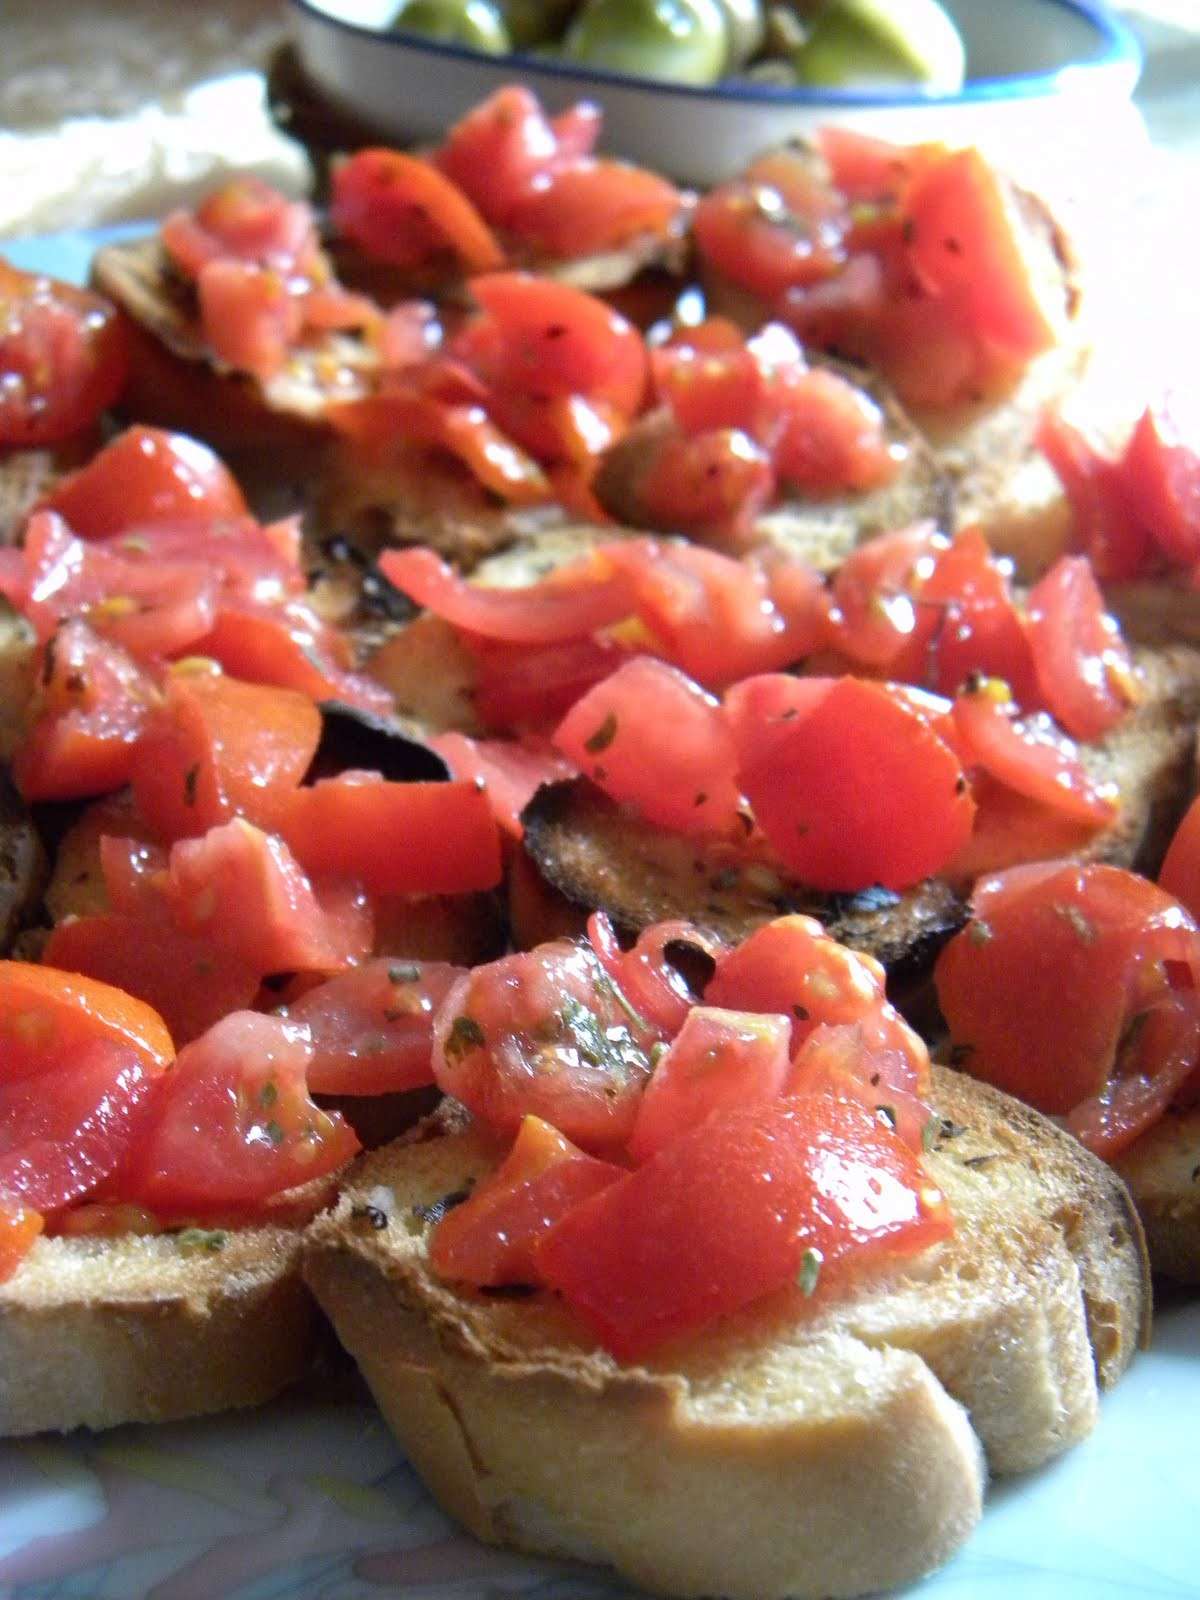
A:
(832, 43)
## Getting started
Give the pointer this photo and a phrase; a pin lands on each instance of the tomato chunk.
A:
(402, 210)
(738, 1205)
(511, 771)
(147, 476)
(492, 1238)
(1180, 871)
(1083, 664)
(243, 1082)
(48, 1016)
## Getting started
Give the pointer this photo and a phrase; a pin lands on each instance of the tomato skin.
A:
(748, 229)
(67, 1130)
(1083, 664)
(793, 967)
(545, 338)
(511, 771)
(395, 838)
(146, 476)
(657, 991)
(48, 1016)
(288, 646)
(648, 719)
(546, 1033)
(1116, 543)
(218, 748)
(718, 1060)
(1160, 476)
(496, 151)
(404, 211)
(860, 791)
(589, 205)
(833, 437)
(713, 484)
(875, 591)
(372, 1028)
(1180, 871)
(492, 1238)
(250, 317)
(736, 1204)
(64, 353)
(243, 1083)
(534, 686)
(1041, 988)
(89, 706)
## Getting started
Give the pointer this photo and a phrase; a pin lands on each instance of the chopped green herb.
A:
(1083, 926)
(603, 736)
(409, 972)
(657, 1051)
(190, 779)
(269, 1093)
(200, 1241)
(810, 1270)
(465, 1035)
(274, 1132)
(979, 931)
(606, 985)
(930, 1132)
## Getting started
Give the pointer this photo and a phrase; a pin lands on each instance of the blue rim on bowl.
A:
(1120, 52)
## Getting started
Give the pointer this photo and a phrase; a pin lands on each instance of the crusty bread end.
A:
(799, 1448)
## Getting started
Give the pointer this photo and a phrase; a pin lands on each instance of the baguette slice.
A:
(97, 1332)
(800, 1448)
(597, 854)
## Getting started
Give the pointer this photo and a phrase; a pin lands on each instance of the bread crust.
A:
(1162, 1169)
(97, 1332)
(795, 1449)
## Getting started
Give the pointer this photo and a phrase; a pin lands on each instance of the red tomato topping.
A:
(860, 791)
(1160, 477)
(88, 709)
(497, 151)
(792, 966)
(586, 206)
(64, 357)
(534, 686)
(549, 1034)
(243, 1082)
(289, 646)
(647, 720)
(217, 748)
(395, 838)
(400, 209)
(718, 1060)
(250, 316)
(777, 226)
(63, 1131)
(1083, 664)
(1074, 987)
(147, 477)
(493, 1237)
(372, 1028)
(645, 975)
(511, 771)
(712, 484)
(742, 1205)
(1180, 873)
(245, 219)
(48, 1017)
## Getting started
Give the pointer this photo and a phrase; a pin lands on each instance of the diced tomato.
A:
(833, 437)
(89, 706)
(48, 1017)
(243, 1083)
(876, 591)
(249, 315)
(146, 476)
(1012, 828)
(65, 1130)
(247, 559)
(586, 206)
(498, 149)
(540, 337)
(1180, 871)
(547, 1034)
(153, 609)
(1083, 664)
(862, 791)
(184, 977)
(395, 838)
(1116, 543)
(712, 484)
(646, 723)
(792, 966)
(864, 1061)
(19, 1231)
(511, 771)
(64, 356)
(1074, 987)
(372, 1028)
(493, 1236)
(839, 313)
(1029, 755)
(766, 239)
(243, 891)
(964, 242)
(218, 748)
(969, 624)
(290, 647)
(400, 209)
(247, 219)
(1160, 476)
(740, 1205)
(534, 686)
(645, 974)
(569, 604)
(866, 169)
(718, 1060)
(759, 711)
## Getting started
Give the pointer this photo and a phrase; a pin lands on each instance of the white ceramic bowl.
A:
(1050, 81)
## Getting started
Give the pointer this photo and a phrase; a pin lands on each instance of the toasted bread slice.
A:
(799, 1448)
(22, 863)
(597, 854)
(96, 1332)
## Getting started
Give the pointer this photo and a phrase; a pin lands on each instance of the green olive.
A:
(534, 22)
(745, 27)
(681, 41)
(853, 42)
(475, 23)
